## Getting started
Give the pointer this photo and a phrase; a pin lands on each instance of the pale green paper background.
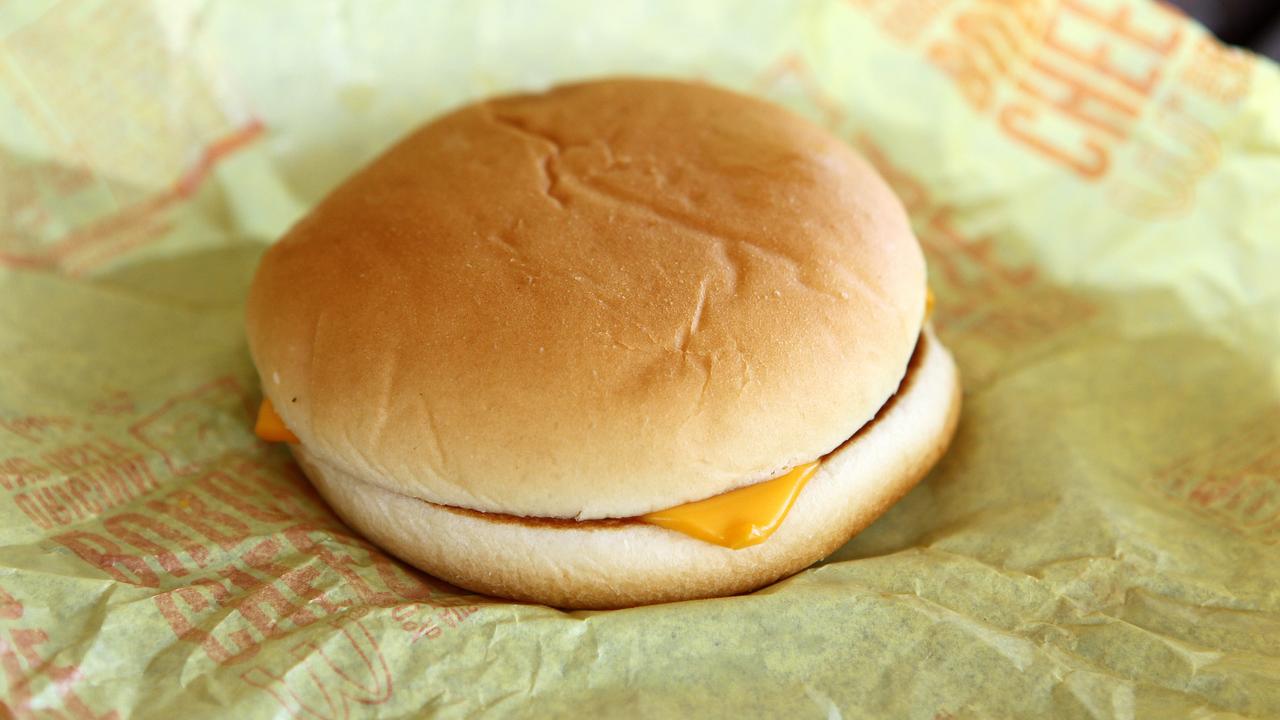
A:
(1103, 539)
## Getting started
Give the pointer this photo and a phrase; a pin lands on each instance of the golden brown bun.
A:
(608, 564)
(603, 300)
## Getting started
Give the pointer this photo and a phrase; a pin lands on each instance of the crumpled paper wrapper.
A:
(1096, 184)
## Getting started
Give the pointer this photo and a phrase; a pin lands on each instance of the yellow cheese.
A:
(737, 519)
(270, 427)
(740, 518)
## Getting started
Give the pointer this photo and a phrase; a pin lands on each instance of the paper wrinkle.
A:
(824, 702)
(1067, 608)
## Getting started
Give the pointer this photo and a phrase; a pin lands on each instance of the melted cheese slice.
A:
(270, 427)
(736, 519)
(741, 518)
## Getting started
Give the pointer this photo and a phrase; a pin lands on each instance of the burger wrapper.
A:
(1096, 186)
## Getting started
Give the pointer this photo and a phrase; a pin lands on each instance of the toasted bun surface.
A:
(608, 299)
(608, 564)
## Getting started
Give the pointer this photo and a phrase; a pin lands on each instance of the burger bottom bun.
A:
(622, 563)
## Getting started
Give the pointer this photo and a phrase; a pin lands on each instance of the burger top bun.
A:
(610, 298)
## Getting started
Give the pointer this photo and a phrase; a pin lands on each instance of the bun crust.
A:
(603, 300)
(622, 563)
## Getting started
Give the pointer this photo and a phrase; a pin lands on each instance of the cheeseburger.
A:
(622, 342)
